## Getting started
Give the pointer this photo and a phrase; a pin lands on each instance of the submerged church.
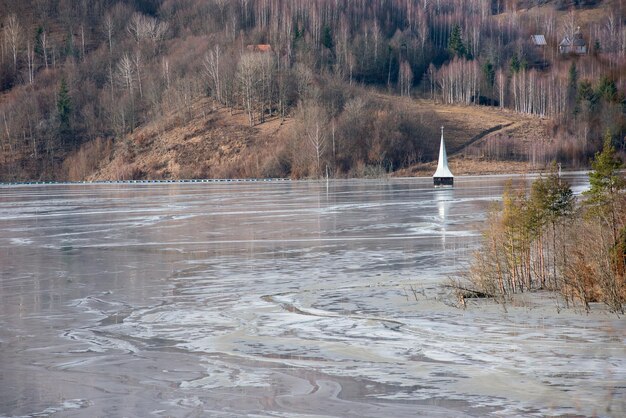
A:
(443, 176)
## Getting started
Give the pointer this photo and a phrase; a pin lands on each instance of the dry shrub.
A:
(158, 165)
(87, 159)
(579, 259)
(302, 166)
(225, 171)
(125, 171)
(594, 271)
(275, 166)
(143, 139)
(580, 273)
(187, 172)
(127, 151)
(363, 170)
(484, 274)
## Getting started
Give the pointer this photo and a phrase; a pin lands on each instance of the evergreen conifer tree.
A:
(605, 197)
(455, 44)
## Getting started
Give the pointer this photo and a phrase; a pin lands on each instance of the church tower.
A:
(443, 176)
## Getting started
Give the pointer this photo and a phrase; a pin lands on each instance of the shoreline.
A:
(459, 167)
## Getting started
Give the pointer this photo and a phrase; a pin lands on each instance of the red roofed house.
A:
(259, 48)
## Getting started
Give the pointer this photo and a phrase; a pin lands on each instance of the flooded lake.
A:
(276, 299)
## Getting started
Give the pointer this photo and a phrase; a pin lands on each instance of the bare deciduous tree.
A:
(312, 126)
(405, 79)
(247, 81)
(212, 70)
(30, 58)
(138, 63)
(165, 67)
(126, 73)
(108, 26)
(82, 42)
(13, 33)
(43, 43)
(146, 27)
(304, 79)
(255, 75)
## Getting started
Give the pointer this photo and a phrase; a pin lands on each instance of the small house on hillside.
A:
(538, 40)
(537, 54)
(259, 48)
(577, 45)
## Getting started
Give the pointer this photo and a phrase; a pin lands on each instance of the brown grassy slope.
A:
(583, 16)
(212, 143)
(469, 129)
(465, 125)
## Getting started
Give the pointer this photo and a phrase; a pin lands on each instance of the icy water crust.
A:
(285, 299)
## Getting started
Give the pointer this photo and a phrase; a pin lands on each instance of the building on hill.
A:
(259, 48)
(577, 45)
(537, 55)
(538, 40)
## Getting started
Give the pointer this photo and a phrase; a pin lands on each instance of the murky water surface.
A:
(277, 299)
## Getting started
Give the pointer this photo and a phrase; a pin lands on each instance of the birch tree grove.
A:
(248, 83)
(459, 81)
(530, 93)
(256, 77)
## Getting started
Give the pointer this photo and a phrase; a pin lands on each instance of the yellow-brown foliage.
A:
(573, 253)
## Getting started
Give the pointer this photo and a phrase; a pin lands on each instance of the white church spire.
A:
(443, 176)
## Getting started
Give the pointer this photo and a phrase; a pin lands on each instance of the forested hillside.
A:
(212, 88)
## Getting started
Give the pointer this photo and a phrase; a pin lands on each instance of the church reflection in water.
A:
(443, 200)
